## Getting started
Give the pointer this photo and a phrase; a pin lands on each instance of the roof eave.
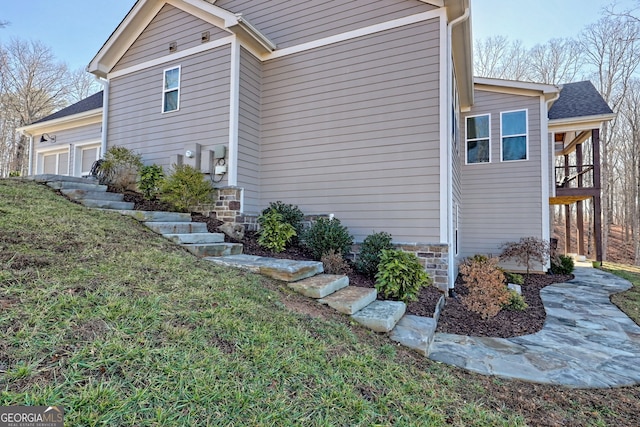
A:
(579, 123)
(75, 120)
(462, 50)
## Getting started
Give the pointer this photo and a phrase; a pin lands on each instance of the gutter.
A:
(105, 114)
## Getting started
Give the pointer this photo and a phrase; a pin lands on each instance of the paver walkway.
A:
(586, 341)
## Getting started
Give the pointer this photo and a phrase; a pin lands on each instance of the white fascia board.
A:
(579, 123)
(514, 85)
(68, 122)
(437, 3)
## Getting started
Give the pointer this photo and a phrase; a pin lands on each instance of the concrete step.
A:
(415, 332)
(53, 178)
(156, 216)
(195, 238)
(213, 249)
(177, 227)
(320, 286)
(281, 269)
(380, 316)
(80, 194)
(61, 185)
(106, 204)
(350, 299)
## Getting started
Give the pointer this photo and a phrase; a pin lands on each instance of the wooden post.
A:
(580, 204)
(597, 206)
(567, 229)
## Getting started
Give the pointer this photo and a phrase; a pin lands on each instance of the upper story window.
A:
(171, 90)
(478, 137)
(513, 126)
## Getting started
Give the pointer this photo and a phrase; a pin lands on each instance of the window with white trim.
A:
(513, 129)
(478, 146)
(171, 90)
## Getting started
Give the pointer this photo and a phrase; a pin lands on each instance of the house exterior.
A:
(359, 108)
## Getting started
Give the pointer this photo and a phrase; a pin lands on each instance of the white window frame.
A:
(526, 135)
(50, 151)
(77, 165)
(165, 91)
(467, 140)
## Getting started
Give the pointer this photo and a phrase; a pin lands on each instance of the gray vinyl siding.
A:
(502, 200)
(249, 130)
(170, 25)
(69, 137)
(136, 120)
(353, 129)
(288, 23)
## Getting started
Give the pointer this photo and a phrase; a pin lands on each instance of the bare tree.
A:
(80, 85)
(557, 61)
(499, 58)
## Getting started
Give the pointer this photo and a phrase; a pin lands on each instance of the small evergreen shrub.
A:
(485, 282)
(150, 180)
(291, 214)
(325, 235)
(186, 187)
(274, 232)
(334, 263)
(516, 302)
(526, 251)
(515, 278)
(119, 168)
(400, 275)
(562, 264)
(369, 257)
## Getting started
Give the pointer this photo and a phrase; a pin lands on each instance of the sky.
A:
(76, 29)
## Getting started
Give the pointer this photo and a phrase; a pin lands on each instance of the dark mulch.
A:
(142, 204)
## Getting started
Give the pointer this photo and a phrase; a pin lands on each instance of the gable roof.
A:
(92, 102)
(578, 99)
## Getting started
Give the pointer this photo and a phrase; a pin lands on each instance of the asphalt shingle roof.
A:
(578, 99)
(90, 103)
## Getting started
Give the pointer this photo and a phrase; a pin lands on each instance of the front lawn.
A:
(628, 301)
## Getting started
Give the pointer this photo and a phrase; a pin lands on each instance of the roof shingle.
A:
(90, 103)
(579, 99)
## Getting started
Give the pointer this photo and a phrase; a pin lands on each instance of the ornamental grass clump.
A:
(485, 282)
(400, 275)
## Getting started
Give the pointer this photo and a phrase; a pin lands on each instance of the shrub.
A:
(526, 251)
(516, 302)
(186, 187)
(334, 263)
(274, 233)
(119, 168)
(400, 275)
(485, 282)
(291, 214)
(514, 278)
(562, 264)
(325, 235)
(150, 180)
(369, 257)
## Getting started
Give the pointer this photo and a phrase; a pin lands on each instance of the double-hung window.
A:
(513, 126)
(171, 90)
(478, 139)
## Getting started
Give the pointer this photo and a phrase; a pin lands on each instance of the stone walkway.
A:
(586, 341)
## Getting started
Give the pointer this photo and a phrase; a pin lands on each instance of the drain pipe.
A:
(105, 114)
(30, 165)
(450, 233)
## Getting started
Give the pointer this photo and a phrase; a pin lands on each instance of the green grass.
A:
(120, 327)
(628, 301)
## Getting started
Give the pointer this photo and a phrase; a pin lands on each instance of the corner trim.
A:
(234, 111)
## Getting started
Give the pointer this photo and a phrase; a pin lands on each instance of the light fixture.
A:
(189, 154)
(47, 138)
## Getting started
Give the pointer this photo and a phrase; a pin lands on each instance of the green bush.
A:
(562, 264)
(291, 214)
(325, 235)
(516, 302)
(119, 168)
(274, 232)
(186, 187)
(369, 257)
(150, 180)
(514, 278)
(400, 275)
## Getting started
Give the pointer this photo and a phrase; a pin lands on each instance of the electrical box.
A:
(220, 170)
(220, 151)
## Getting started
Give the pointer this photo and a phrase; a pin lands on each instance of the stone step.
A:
(350, 299)
(380, 316)
(156, 216)
(321, 285)
(106, 204)
(281, 269)
(61, 185)
(53, 178)
(206, 250)
(177, 227)
(415, 332)
(195, 238)
(80, 194)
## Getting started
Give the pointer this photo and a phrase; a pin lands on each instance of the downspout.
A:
(105, 114)
(30, 166)
(450, 234)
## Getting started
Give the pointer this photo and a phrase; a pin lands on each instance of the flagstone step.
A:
(44, 178)
(415, 332)
(195, 238)
(321, 285)
(380, 316)
(350, 299)
(156, 216)
(208, 250)
(106, 204)
(177, 227)
(82, 194)
(61, 185)
(286, 270)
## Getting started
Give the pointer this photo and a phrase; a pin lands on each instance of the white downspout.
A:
(30, 166)
(450, 233)
(105, 114)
